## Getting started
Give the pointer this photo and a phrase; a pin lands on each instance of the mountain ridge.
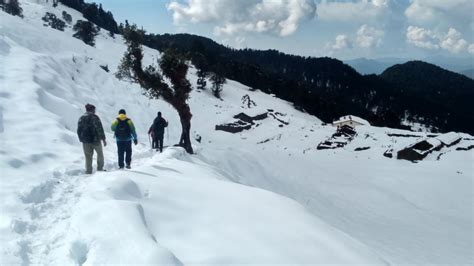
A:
(325, 87)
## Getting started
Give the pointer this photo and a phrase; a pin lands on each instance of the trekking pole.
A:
(149, 140)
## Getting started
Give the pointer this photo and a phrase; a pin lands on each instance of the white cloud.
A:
(470, 49)
(453, 41)
(281, 17)
(421, 37)
(238, 42)
(368, 37)
(441, 12)
(341, 42)
(360, 10)
(420, 14)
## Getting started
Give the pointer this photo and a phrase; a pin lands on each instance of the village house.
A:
(350, 120)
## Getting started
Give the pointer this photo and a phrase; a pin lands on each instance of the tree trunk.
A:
(185, 115)
(185, 140)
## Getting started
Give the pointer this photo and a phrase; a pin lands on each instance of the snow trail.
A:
(50, 206)
(45, 237)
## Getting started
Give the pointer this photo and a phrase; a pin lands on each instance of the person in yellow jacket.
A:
(124, 135)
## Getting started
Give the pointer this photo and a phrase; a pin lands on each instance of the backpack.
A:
(86, 129)
(159, 126)
(123, 131)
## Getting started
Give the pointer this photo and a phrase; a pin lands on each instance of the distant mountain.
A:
(468, 73)
(373, 66)
(378, 65)
(440, 97)
(455, 64)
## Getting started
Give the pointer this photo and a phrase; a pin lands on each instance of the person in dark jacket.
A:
(91, 133)
(157, 132)
(124, 135)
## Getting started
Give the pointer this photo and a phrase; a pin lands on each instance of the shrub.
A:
(86, 32)
(52, 21)
(12, 7)
(67, 17)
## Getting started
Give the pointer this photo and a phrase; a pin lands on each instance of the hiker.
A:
(157, 131)
(91, 133)
(124, 134)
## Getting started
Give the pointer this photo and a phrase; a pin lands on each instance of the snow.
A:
(262, 196)
(196, 227)
(449, 138)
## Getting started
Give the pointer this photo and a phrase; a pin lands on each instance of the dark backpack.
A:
(123, 131)
(159, 125)
(86, 129)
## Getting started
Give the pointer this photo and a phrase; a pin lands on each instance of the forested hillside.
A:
(328, 88)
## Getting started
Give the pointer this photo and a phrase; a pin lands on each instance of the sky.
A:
(345, 29)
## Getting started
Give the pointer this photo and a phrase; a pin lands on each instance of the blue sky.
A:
(344, 29)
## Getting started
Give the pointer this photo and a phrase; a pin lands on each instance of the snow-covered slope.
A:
(265, 195)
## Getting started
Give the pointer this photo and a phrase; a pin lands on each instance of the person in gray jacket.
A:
(91, 134)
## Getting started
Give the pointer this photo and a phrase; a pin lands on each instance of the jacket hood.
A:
(122, 117)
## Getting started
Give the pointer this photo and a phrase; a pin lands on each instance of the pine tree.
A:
(120, 28)
(218, 80)
(201, 81)
(173, 66)
(202, 66)
(86, 32)
(12, 7)
(53, 21)
(94, 13)
(91, 12)
(67, 17)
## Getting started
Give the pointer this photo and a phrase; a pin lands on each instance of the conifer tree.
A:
(201, 81)
(218, 80)
(202, 66)
(12, 7)
(67, 17)
(85, 31)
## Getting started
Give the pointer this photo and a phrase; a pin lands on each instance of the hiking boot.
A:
(120, 167)
(102, 170)
(128, 167)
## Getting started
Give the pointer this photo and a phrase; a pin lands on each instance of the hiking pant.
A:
(158, 143)
(89, 153)
(154, 143)
(124, 148)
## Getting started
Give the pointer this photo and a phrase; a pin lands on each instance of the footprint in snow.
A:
(78, 252)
